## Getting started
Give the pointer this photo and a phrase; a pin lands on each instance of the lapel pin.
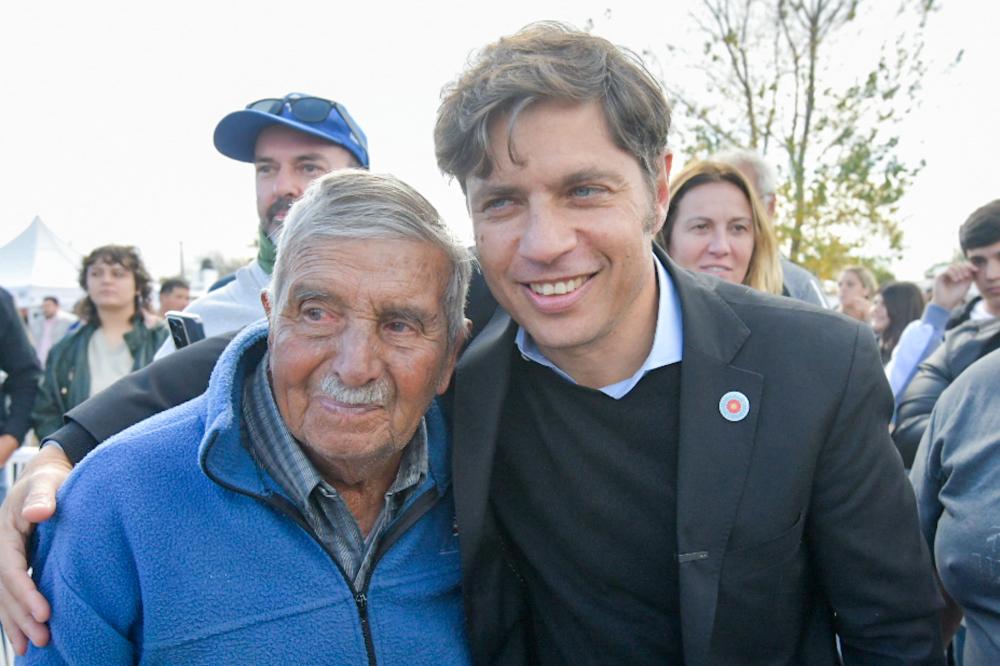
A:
(734, 406)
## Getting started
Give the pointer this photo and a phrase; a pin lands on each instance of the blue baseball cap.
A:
(236, 134)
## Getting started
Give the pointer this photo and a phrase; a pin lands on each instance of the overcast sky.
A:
(109, 107)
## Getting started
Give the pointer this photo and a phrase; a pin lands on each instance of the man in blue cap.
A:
(290, 141)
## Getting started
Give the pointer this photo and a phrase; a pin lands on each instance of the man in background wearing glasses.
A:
(290, 141)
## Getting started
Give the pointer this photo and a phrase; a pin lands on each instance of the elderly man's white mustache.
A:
(375, 393)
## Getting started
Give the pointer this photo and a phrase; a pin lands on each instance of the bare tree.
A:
(776, 76)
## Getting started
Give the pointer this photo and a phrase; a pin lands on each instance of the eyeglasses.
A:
(310, 110)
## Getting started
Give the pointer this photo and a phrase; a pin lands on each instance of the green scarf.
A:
(266, 253)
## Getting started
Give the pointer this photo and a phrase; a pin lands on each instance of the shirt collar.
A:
(979, 311)
(668, 341)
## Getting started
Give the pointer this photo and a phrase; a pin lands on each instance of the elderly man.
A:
(290, 141)
(644, 471)
(300, 510)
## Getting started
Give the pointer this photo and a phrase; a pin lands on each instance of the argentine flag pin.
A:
(734, 406)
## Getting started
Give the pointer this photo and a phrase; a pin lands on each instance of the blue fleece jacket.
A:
(171, 545)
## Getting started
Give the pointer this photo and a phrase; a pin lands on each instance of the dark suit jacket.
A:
(792, 524)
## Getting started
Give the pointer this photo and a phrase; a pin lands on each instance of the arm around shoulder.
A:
(81, 564)
(166, 383)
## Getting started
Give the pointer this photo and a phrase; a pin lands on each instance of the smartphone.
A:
(185, 328)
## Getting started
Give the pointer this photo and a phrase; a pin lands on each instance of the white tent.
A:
(37, 263)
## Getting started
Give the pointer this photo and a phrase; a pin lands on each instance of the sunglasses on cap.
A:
(310, 110)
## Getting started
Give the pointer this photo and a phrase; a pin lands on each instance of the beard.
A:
(270, 224)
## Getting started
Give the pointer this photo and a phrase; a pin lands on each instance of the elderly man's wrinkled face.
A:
(359, 348)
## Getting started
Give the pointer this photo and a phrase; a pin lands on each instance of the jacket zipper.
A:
(419, 507)
(409, 517)
(360, 598)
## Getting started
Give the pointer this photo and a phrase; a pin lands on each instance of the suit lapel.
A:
(714, 453)
(481, 380)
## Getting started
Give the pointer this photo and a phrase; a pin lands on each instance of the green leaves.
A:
(776, 81)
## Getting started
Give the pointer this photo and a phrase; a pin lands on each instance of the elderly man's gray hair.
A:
(352, 204)
(765, 179)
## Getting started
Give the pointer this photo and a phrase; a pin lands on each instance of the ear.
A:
(662, 192)
(444, 381)
(265, 300)
(772, 205)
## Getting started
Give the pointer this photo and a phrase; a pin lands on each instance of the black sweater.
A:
(584, 491)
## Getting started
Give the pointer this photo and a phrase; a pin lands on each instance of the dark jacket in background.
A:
(67, 371)
(963, 345)
(962, 314)
(17, 359)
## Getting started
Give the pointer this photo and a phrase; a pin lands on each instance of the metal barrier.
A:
(16, 462)
(13, 468)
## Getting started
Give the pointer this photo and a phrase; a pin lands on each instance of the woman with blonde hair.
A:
(716, 224)
(856, 287)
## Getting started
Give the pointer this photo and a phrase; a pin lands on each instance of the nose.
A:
(286, 184)
(992, 269)
(358, 360)
(548, 235)
(718, 244)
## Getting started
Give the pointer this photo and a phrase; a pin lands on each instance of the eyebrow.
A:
(585, 175)
(299, 294)
(303, 293)
(306, 157)
(493, 192)
(738, 218)
(984, 256)
(310, 157)
(407, 313)
(575, 178)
